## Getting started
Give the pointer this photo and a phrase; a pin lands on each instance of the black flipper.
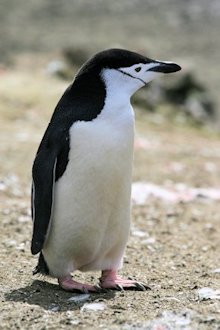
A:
(42, 196)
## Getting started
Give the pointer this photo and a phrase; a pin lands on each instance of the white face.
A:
(127, 80)
(141, 72)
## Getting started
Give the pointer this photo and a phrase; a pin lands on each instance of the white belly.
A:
(91, 217)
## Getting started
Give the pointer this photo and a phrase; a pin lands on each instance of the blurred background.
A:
(63, 34)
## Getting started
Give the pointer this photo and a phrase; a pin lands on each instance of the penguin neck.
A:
(117, 106)
(119, 87)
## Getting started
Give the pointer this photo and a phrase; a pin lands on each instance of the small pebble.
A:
(217, 270)
(208, 293)
(79, 298)
(139, 233)
(53, 308)
(93, 307)
(150, 240)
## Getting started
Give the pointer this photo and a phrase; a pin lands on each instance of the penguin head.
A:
(125, 70)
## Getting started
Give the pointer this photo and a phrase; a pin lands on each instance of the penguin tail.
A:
(41, 267)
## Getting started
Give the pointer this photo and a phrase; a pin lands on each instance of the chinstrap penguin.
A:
(81, 186)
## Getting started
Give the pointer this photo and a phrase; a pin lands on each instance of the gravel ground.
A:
(173, 247)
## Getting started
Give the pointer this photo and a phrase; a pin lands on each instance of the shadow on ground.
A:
(50, 297)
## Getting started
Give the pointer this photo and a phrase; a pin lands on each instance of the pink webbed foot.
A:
(68, 284)
(110, 280)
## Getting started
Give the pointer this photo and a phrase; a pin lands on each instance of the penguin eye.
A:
(138, 69)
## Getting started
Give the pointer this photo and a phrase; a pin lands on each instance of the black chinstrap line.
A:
(129, 75)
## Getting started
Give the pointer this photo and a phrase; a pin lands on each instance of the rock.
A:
(208, 293)
(216, 271)
(53, 308)
(142, 191)
(138, 233)
(93, 307)
(79, 298)
(150, 240)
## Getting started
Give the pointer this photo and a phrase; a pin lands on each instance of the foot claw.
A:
(110, 280)
(140, 286)
(119, 287)
(147, 287)
(99, 289)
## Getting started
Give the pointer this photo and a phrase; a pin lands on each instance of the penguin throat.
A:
(129, 75)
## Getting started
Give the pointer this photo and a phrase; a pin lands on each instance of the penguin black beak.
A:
(165, 67)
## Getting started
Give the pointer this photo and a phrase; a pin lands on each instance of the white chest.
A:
(107, 140)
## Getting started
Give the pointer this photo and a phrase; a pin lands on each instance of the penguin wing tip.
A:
(36, 247)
